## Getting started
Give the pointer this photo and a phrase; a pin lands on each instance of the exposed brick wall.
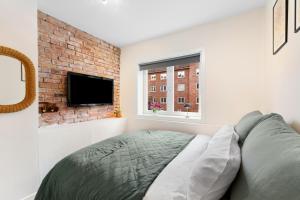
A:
(64, 48)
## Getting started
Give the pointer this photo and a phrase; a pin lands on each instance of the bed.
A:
(166, 165)
(122, 167)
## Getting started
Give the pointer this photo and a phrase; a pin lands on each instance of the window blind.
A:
(182, 60)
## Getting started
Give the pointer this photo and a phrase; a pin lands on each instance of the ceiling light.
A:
(104, 2)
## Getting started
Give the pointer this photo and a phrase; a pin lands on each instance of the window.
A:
(180, 74)
(180, 87)
(181, 100)
(197, 86)
(163, 88)
(163, 100)
(197, 71)
(163, 76)
(177, 84)
(186, 88)
(153, 88)
(153, 77)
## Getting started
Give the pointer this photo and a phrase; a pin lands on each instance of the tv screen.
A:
(84, 90)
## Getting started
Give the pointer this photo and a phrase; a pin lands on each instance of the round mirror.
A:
(12, 76)
(17, 76)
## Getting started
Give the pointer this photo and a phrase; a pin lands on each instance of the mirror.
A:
(12, 87)
(17, 81)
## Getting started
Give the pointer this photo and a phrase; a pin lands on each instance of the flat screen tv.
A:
(86, 90)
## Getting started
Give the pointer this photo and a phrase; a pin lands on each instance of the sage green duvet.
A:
(120, 168)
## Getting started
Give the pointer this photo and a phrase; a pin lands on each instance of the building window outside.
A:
(181, 74)
(163, 76)
(197, 72)
(163, 100)
(153, 88)
(181, 87)
(163, 88)
(181, 100)
(153, 77)
(177, 86)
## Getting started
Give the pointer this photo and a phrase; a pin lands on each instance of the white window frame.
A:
(170, 114)
(180, 102)
(153, 88)
(163, 76)
(181, 76)
(163, 88)
(153, 77)
(180, 84)
(197, 72)
(163, 102)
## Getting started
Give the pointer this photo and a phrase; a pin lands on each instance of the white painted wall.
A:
(283, 71)
(19, 175)
(234, 64)
(56, 142)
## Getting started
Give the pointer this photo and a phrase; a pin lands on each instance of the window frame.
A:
(181, 77)
(153, 75)
(163, 102)
(165, 77)
(179, 102)
(164, 88)
(153, 87)
(197, 72)
(170, 114)
(180, 84)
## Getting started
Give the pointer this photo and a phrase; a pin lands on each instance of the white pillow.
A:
(216, 168)
(172, 182)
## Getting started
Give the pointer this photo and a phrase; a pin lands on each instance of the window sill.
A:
(171, 118)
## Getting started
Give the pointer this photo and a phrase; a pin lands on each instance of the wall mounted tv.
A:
(86, 90)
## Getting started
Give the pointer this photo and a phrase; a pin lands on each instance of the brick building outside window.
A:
(186, 87)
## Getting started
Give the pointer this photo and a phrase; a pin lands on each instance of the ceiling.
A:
(123, 22)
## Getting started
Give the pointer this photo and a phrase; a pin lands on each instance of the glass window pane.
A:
(181, 87)
(186, 84)
(157, 89)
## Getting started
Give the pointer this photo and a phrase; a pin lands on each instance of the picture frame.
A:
(297, 16)
(280, 25)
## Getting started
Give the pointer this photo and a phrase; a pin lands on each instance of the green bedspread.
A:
(119, 168)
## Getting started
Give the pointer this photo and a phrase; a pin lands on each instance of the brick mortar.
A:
(64, 48)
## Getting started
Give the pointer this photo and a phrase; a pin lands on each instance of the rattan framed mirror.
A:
(30, 84)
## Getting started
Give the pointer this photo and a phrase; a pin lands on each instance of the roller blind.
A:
(182, 60)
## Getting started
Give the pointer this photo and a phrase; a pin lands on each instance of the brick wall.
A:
(190, 92)
(158, 94)
(64, 48)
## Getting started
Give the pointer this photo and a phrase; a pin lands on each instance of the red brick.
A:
(64, 48)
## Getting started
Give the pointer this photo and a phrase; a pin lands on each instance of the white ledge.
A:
(171, 118)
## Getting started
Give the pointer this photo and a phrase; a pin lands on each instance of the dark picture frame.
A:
(280, 25)
(297, 16)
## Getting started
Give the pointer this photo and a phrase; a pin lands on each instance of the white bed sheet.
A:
(172, 182)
